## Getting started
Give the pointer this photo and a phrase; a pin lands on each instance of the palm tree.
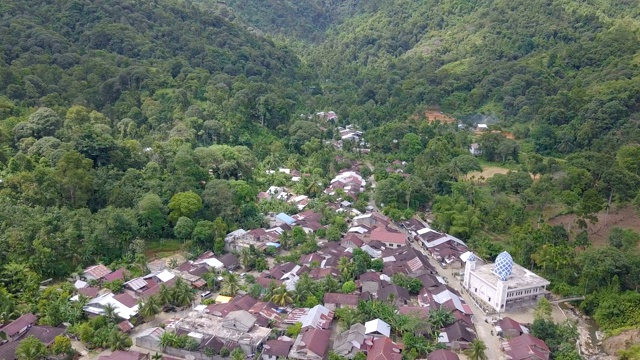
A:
(167, 339)
(230, 284)
(150, 307)
(281, 296)
(348, 317)
(476, 351)
(439, 318)
(182, 293)
(110, 312)
(164, 295)
(119, 340)
(31, 349)
(346, 268)
(314, 188)
(245, 257)
(285, 240)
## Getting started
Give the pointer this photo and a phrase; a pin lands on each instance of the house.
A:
(414, 311)
(244, 302)
(334, 301)
(509, 328)
(376, 328)
(263, 195)
(384, 349)
(90, 292)
(350, 342)
(399, 294)
(125, 326)
(311, 344)
(408, 261)
(96, 272)
(318, 317)
(119, 274)
(526, 347)
(274, 349)
(18, 327)
(457, 336)
(125, 355)
(388, 238)
(229, 330)
(475, 150)
(46, 335)
(284, 218)
(371, 282)
(351, 241)
(229, 261)
(149, 338)
(124, 304)
(442, 354)
(482, 127)
(240, 320)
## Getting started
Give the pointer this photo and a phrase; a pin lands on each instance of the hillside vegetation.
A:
(126, 123)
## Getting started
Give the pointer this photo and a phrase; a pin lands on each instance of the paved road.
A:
(483, 329)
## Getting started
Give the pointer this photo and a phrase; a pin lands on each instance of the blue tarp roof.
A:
(285, 218)
(276, 245)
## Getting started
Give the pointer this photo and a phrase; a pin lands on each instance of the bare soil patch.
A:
(433, 114)
(624, 217)
(486, 173)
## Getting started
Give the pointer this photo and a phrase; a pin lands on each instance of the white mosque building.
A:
(502, 285)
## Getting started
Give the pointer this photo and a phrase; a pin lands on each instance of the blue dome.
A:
(503, 265)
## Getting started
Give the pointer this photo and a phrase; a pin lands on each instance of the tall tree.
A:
(31, 349)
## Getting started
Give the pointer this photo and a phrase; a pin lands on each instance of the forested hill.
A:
(129, 59)
(562, 74)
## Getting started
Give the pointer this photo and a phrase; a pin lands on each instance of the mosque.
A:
(503, 285)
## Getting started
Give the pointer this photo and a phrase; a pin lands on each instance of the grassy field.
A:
(162, 248)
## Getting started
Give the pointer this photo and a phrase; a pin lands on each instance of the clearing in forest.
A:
(625, 218)
(486, 173)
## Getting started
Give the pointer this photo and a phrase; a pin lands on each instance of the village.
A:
(454, 297)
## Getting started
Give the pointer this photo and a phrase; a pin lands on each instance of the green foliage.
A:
(559, 337)
(348, 287)
(61, 346)
(184, 204)
(31, 349)
(413, 285)
(625, 239)
(294, 330)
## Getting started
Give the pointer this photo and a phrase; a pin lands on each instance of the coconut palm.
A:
(281, 296)
(439, 318)
(230, 284)
(245, 257)
(348, 317)
(31, 349)
(346, 268)
(150, 307)
(285, 240)
(167, 339)
(477, 350)
(314, 188)
(119, 340)
(110, 312)
(182, 293)
(164, 295)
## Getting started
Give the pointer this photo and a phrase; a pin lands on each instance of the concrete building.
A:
(503, 285)
(226, 329)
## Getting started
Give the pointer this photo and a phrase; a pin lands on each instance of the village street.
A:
(483, 328)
